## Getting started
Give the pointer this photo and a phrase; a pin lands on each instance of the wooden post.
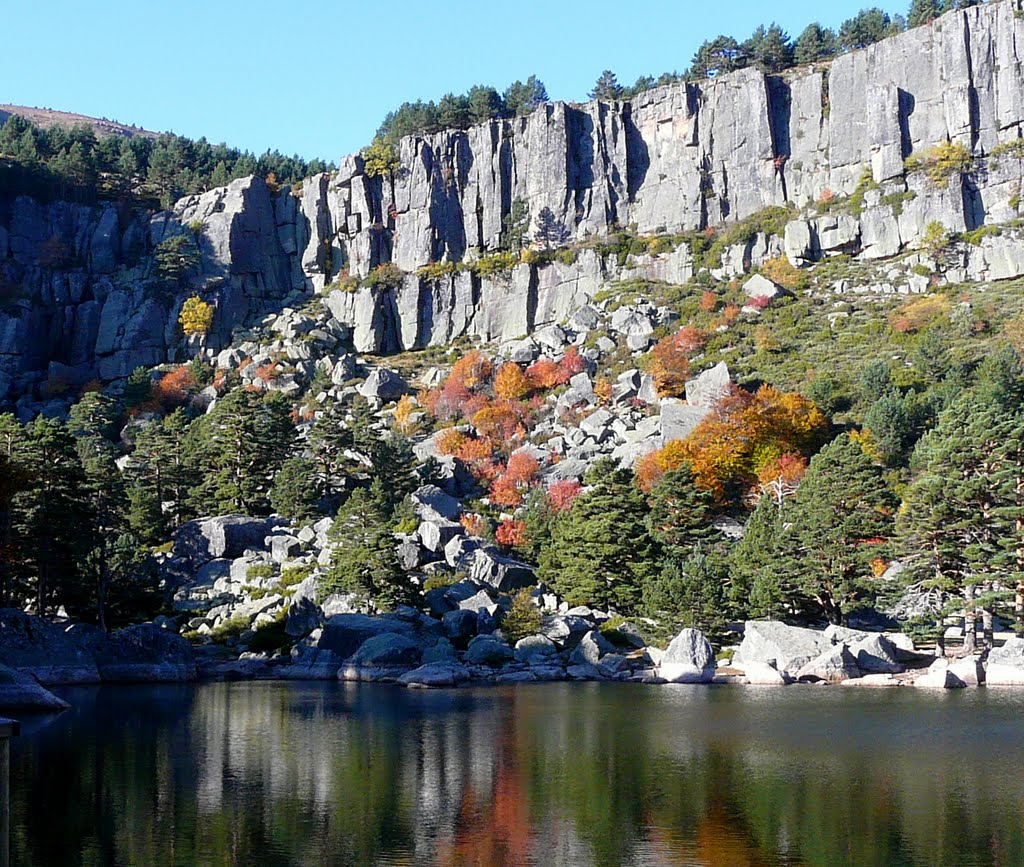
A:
(8, 729)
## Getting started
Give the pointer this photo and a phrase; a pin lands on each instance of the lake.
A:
(332, 773)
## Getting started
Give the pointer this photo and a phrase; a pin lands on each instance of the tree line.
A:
(71, 162)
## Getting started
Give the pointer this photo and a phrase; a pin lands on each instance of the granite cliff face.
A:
(675, 158)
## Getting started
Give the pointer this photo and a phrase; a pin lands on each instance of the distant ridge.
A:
(47, 117)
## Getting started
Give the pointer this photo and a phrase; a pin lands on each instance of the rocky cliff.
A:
(675, 158)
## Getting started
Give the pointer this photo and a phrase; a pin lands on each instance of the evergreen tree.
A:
(96, 414)
(841, 513)
(453, 111)
(241, 445)
(295, 492)
(868, 27)
(177, 257)
(769, 48)
(364, 560)
(484, 103)
(330, 439)
(758, 587)
(716, 57)
(160, 478)
(13, 480)
(516, 226)
(600, 552)
(923, 11)
(814, 44)
(681, 513)
(524, 97)
(51, 515)
(550, 232)
(689, 592)
(607, 87)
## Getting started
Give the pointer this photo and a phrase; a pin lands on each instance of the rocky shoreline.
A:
(411, 649)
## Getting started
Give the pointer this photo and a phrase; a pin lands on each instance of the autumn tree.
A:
(510, 383)
(196, 316)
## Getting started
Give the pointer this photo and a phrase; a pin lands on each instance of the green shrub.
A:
(438, 270)
(522, 619)
(259, 571)
(495, 264)
(566, 256)
(1013, 149)
(976, 236)
(379, 158)
(441, 579)
(385, 276)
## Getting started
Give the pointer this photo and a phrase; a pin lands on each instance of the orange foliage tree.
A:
(172, 389)
(511, 486)
(544, 373)
(511, 533)
(745, 435)
(510, 383)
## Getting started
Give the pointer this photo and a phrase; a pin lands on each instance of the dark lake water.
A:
(548, 774)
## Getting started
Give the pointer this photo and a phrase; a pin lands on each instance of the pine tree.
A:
(51, 515)
(484, 103)
(814, 44)
(96, 414)
(516, 226)
(330, 439)
(689, 591)
(524, 97)
(758, 588)
(600, 552)
(160, 477)
(769, 48)
(607, 87)
(840, 515)
(681, 513)
(364, 560)
(550, 232)
(923, 11)
(241, 445)
(295, 492)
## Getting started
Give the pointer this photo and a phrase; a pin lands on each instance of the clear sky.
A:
(315, 78)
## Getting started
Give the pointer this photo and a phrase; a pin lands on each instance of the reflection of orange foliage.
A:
(173, 387)
(493, 828)
(511, 533)
(742, 437)
(510, 383)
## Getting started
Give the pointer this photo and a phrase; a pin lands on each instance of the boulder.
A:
(388, 649)
(21, 692)
(785, 648)
(833, 666)
(591, 648)
(43, 650)
(459, 625)
(938, 676)
(535, 649)
(761, 674)
(436, 674)
(226, 536)
(431, 503)
(488, 650)
(323, 652)
(688, 659)
(761, 287)
(969, 671)
(876, 654)
(565, 629)
(708, 388)
(383, 385)
(144, 653)
(478, 602)
(1006, 664)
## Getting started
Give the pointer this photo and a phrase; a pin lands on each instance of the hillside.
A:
(48, 117)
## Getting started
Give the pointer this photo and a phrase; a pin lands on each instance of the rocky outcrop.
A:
(21, 692)
(81, 300)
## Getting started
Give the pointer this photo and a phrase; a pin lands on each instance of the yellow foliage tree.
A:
(196, 316)
(510, 383)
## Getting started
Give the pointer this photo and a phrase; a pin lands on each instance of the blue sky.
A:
(315, 77)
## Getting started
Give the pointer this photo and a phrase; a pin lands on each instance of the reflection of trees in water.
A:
(557, 774)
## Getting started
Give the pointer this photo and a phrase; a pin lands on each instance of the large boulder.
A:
(833, 666)
(876, 654)
(436, 674)
(383, 385)
(325, 650)
(226, 536)
(536, 649)
(785, 648)
(19, 692)
(431, 503)
(591, 648)
(382, 657)
(688, 659)
(1006, 664)
(43, 650)
(142, 654)
(488, 650)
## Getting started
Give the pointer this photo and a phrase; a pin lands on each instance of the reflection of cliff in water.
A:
(555, 774)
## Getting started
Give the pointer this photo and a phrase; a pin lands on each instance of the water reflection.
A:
(285, 773)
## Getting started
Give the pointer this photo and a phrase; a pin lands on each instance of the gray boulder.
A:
(383, 385)
(43, 650)
(710, 387)
(436, 674)
(226, 536)
(430, 503)
(144, 653)
(785, 648)
(1006, 664)
(459, 625)
(833, 666)
(688, 659)
(876, 654)
(591, 648)
(323, 652)
(565, 629)
(388, 649)
(536, 649)
(488, 650)
(19, 692)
